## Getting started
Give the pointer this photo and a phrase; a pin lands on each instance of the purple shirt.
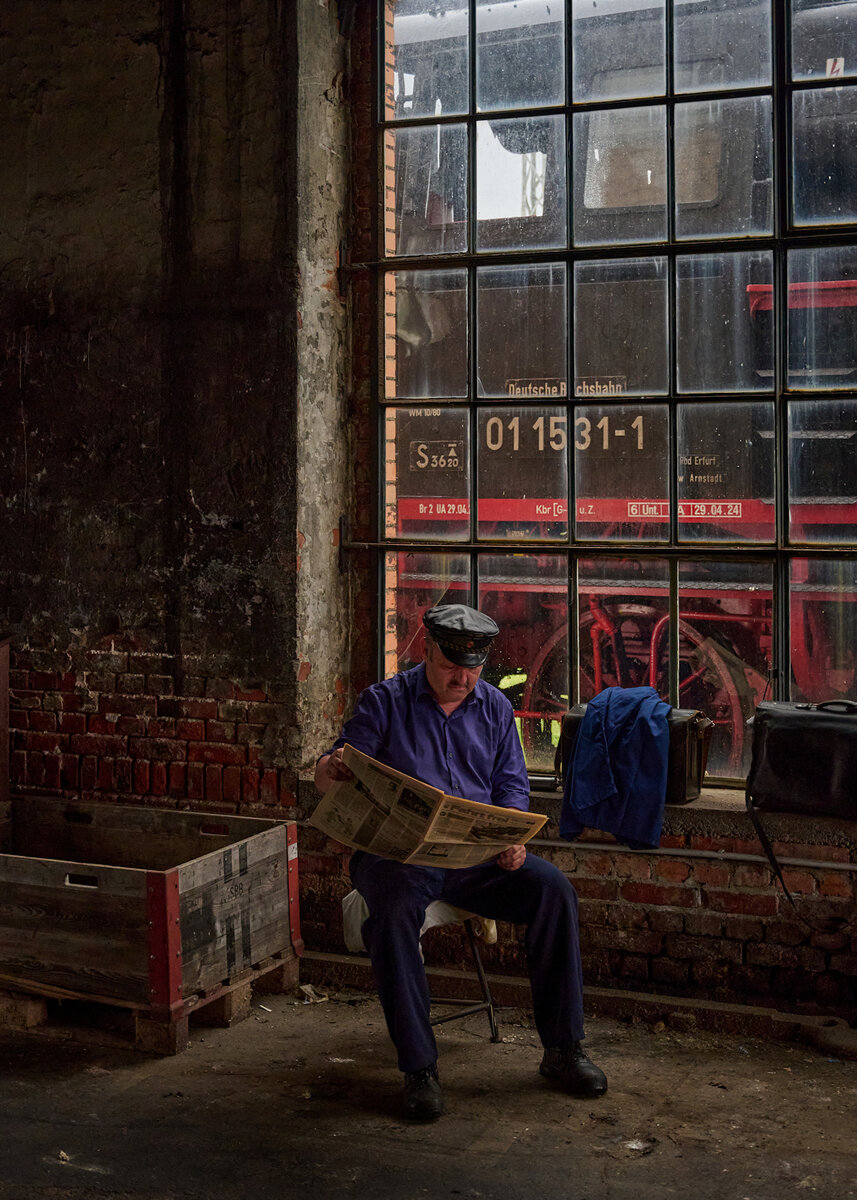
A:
(474, 752)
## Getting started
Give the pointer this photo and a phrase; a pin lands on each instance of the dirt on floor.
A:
(302, 1100)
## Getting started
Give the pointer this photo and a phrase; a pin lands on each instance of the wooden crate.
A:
(160, 912)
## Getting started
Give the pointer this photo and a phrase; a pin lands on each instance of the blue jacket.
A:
(617, 779)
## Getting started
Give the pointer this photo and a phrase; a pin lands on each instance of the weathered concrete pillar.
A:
(324, 484)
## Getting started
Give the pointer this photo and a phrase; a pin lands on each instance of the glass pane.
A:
(621, 458)
(823, 629)
(425, 172)
(425, 334)
(823, 470)
(413, 582)
(426, 473)
(727, 46)
(522, 474)
(723, 167)
(823, 38)
(620, 175)
(704, 72)
(822, 323)
(724, 652)
(527, 595)
(425, 58)
(623, 618)
(717, 349)
(615, 353)
(726, 472)
(618, 55)
(520, 59)
(521, 331)
(824, 145)
(520, 183)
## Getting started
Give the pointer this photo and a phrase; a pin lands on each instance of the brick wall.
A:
(701, 917)
(129, 726)
(169, 576)
(705, 918)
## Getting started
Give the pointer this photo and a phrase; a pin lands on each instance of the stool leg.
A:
(483, 981)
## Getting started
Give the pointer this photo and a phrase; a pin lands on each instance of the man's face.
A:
(450, 683)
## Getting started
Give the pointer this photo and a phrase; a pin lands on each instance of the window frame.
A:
(783, 550)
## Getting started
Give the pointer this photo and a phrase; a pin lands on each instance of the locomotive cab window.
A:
(617, 384)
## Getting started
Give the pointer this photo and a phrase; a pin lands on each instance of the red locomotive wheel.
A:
(619, 645)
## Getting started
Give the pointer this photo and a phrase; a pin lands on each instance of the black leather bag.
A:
(804, 762)
(804, 759)
(690, 737)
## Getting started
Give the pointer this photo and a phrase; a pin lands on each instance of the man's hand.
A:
(511, 858)
(331, 769)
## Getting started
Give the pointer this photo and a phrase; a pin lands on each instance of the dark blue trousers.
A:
(537, 895)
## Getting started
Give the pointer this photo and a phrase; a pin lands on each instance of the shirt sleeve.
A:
(510, 787)
(366, 730)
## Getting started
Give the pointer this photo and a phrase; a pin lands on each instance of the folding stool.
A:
(355, 911)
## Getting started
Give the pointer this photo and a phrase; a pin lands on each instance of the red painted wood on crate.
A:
(165, 946)
(293, 884)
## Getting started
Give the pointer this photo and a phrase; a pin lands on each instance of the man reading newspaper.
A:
(385, 812)
(441, 723)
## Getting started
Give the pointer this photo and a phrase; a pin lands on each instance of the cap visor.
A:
(465, 658)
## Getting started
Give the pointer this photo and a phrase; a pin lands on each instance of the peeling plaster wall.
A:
(81, 471)
(147, 299)
(324, 627)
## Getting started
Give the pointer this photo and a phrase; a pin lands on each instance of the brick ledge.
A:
(829, 1034)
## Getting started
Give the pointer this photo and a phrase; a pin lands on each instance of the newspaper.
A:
(390, 814)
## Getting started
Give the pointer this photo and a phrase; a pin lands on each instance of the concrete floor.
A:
(301, 1101)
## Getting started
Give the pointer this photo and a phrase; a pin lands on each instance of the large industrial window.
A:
(618, 347)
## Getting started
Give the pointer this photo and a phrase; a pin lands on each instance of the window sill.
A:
(717, 822)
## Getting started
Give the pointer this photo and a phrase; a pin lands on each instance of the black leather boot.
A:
(569, 1066)
(423, 1097)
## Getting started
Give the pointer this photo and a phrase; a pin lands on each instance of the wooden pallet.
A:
(64, 1013)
